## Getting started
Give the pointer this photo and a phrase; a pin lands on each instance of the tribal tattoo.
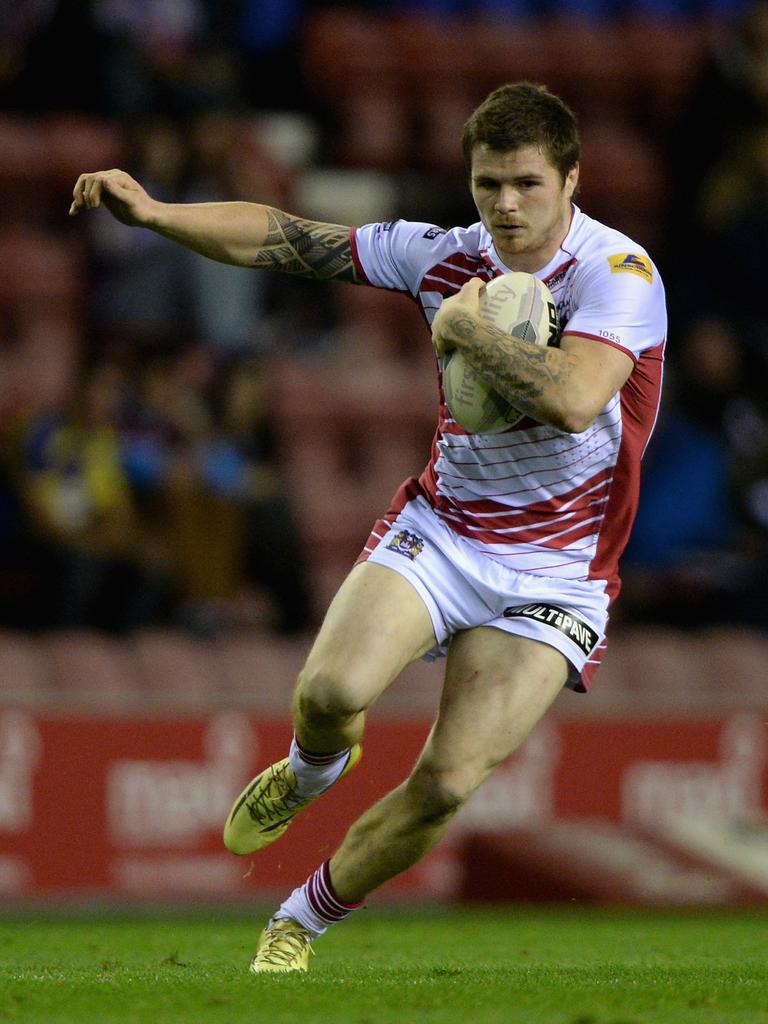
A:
(306, 248)
(520, 373)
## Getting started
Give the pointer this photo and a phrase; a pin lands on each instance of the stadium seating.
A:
(42, 283)
(55, 149)
(90, 671)
(75, 141)
(639, 65)
(645, 668)
(259, 668)
(38, 263)
(24, 671)
(22, 150)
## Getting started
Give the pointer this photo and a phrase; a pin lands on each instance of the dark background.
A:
(194, 447)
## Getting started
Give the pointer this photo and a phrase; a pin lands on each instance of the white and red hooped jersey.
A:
(533, 497)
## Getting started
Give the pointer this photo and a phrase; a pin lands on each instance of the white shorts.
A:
(463, 588)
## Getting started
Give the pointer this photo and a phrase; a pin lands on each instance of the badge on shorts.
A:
(571, 625)
(406, 543)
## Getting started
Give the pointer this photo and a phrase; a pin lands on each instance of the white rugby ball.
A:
(519, 304)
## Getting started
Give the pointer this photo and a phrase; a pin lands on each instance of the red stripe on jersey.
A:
(590, 667)
(483, 506)
(463, 260)
(406, 492)
(552, 278)
(426, 484)
(567, 538)
(452, 273)
(553, 534)
(639, 408)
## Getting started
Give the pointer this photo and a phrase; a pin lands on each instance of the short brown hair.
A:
(524, 114)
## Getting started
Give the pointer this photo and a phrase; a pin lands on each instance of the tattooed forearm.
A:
(530, 377)
(306, 248)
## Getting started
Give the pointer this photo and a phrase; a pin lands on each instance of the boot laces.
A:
(275, 799)
(283, 945)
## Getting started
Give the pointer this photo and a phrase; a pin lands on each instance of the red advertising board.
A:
(133, 808)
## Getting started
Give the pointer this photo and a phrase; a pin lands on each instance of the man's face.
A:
(523, 202)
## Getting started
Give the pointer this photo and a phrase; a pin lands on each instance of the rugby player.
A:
(503, 555)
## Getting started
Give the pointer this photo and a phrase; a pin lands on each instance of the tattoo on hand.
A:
(519, 372)
(306, 248)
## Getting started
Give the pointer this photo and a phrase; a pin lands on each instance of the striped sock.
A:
(315, 905)
(315, 772)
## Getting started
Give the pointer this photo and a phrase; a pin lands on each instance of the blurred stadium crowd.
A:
(188, 444)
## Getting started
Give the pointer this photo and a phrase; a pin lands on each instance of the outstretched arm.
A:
(243, 234)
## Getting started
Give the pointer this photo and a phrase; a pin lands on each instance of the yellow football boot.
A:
(268, 804)
(283, 946)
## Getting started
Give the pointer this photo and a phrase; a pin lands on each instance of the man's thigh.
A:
(497, 687)
(376, 625)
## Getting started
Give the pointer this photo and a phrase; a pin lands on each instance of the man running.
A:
(503, 554)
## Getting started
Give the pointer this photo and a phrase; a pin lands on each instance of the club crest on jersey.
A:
(630, 263)
(406, 543)
(579, 631)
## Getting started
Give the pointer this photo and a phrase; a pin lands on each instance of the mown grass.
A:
(552, 966)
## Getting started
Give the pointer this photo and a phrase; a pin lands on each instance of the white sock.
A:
(315, 905)
(315, 772)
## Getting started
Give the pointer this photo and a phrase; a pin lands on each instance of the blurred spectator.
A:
(227, 161)
(204, 523)
(728, 102)
(146, 289)
(266, 34)
(733, 217)
(207, 478)
(42, 43)
(139, 287)
(23, 556)
(699, 548)
(78, 500)
(719, 222)
(243, 460)
(732, 91)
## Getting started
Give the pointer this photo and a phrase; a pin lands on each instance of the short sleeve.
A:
(618, 297)
(397, 254)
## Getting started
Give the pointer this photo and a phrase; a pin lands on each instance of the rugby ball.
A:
(521, 305)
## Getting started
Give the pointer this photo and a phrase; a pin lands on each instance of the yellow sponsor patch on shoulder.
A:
(631, 263)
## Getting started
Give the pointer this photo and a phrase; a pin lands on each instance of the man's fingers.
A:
(90, 188)
(92, 192)
(77, 195)
(87, 191)
(469, 294)
(99, 184)
(474, 285)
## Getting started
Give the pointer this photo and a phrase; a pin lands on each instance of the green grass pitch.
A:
(533, 966)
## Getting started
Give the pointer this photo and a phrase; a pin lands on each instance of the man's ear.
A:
(572, 180)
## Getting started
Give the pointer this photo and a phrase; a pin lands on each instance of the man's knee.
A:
(439, 793)
(325, 697)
